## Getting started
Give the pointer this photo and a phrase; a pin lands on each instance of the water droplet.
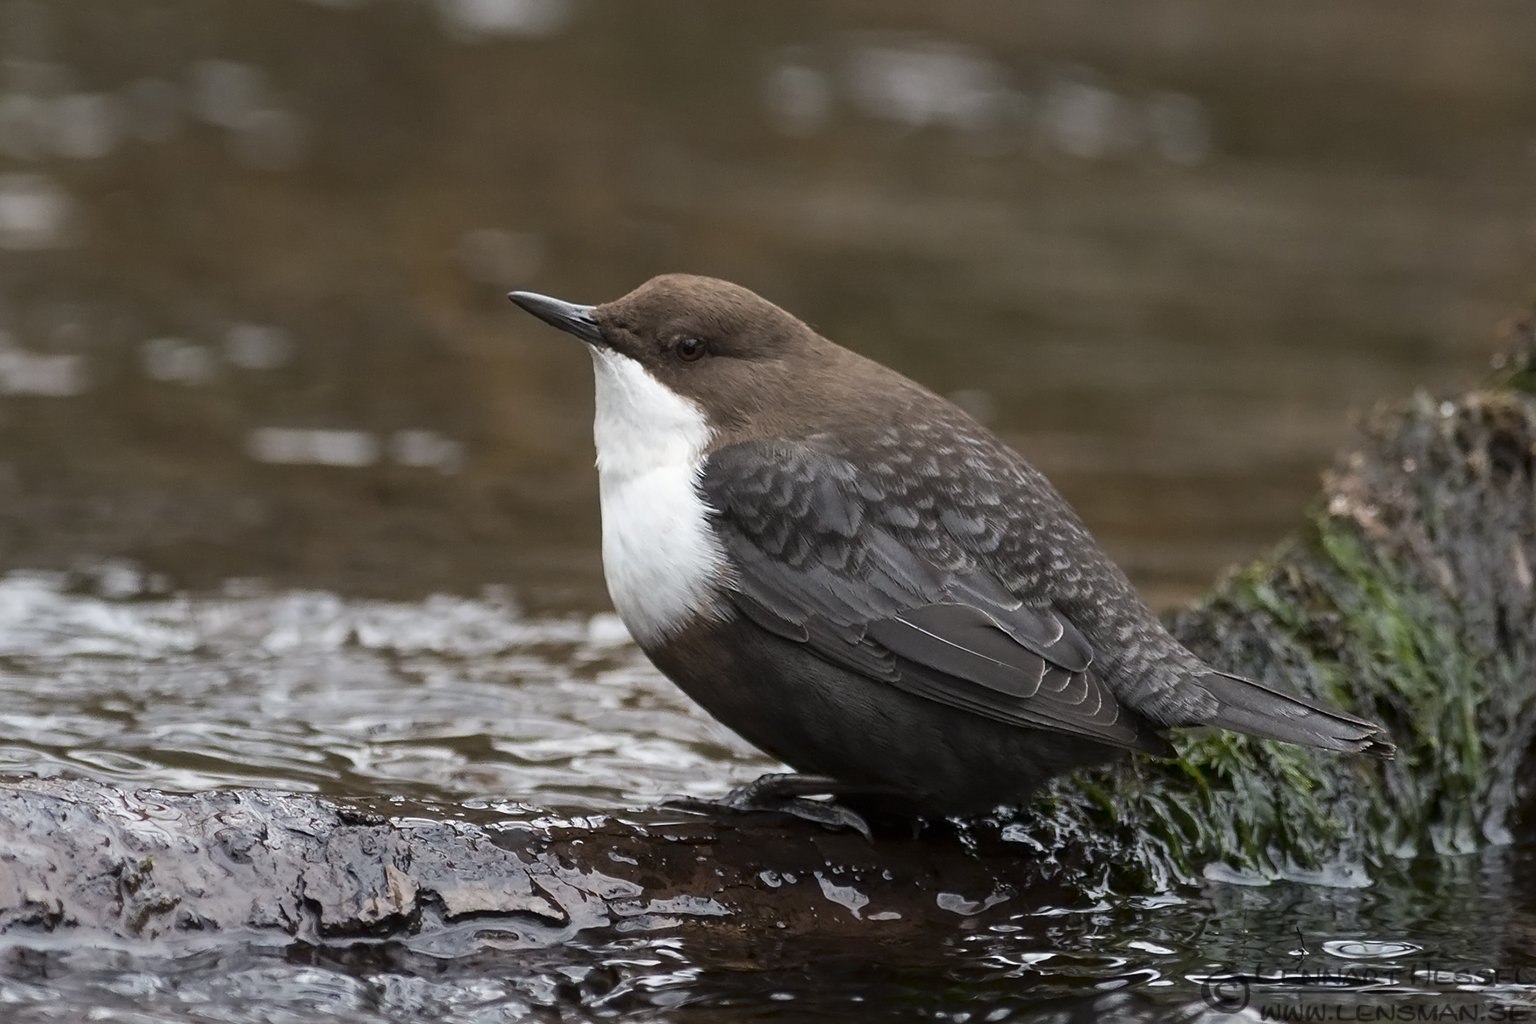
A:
(843, 895)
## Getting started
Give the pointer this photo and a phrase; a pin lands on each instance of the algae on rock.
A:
(1407, 598)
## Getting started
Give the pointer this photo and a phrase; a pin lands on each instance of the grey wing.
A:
(813, 563)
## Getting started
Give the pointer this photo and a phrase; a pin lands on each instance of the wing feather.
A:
(813, 563)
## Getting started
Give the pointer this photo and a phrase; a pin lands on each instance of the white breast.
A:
(659, 555)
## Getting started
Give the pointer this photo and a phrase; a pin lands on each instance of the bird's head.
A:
(716, 346)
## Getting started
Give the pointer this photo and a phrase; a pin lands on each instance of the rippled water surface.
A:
(291, 498)
(446, 699)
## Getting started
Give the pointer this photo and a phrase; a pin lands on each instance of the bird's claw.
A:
(781, 794)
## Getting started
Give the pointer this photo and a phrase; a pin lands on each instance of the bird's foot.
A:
(785, 793)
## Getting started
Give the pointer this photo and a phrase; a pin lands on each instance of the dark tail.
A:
(1253, 708)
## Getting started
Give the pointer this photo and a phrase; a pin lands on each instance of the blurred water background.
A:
(290, 496)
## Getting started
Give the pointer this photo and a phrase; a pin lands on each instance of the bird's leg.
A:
(788, 793)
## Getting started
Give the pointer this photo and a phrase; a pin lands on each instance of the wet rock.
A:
(144, 864)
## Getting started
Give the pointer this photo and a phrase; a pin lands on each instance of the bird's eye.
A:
(690, 349)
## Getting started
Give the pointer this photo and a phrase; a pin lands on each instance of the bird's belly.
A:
(659, 557)
(822, 719)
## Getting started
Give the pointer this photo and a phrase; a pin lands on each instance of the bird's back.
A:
(951, 488)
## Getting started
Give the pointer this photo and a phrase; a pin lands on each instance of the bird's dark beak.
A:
(567, 316)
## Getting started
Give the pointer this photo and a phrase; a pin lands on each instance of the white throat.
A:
(660, 557)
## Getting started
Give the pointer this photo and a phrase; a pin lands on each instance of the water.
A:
(446, 699)
(1132, 961)
(291, 498)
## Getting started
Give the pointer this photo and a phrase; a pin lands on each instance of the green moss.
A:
(1407, 598)
(1368, 641)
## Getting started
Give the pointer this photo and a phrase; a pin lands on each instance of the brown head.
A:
(742, 360)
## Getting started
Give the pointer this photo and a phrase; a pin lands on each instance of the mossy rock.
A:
(1407, 598)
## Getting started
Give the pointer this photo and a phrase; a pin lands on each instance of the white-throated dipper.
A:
(863, 581)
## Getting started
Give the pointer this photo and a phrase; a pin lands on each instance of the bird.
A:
(864, 582)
